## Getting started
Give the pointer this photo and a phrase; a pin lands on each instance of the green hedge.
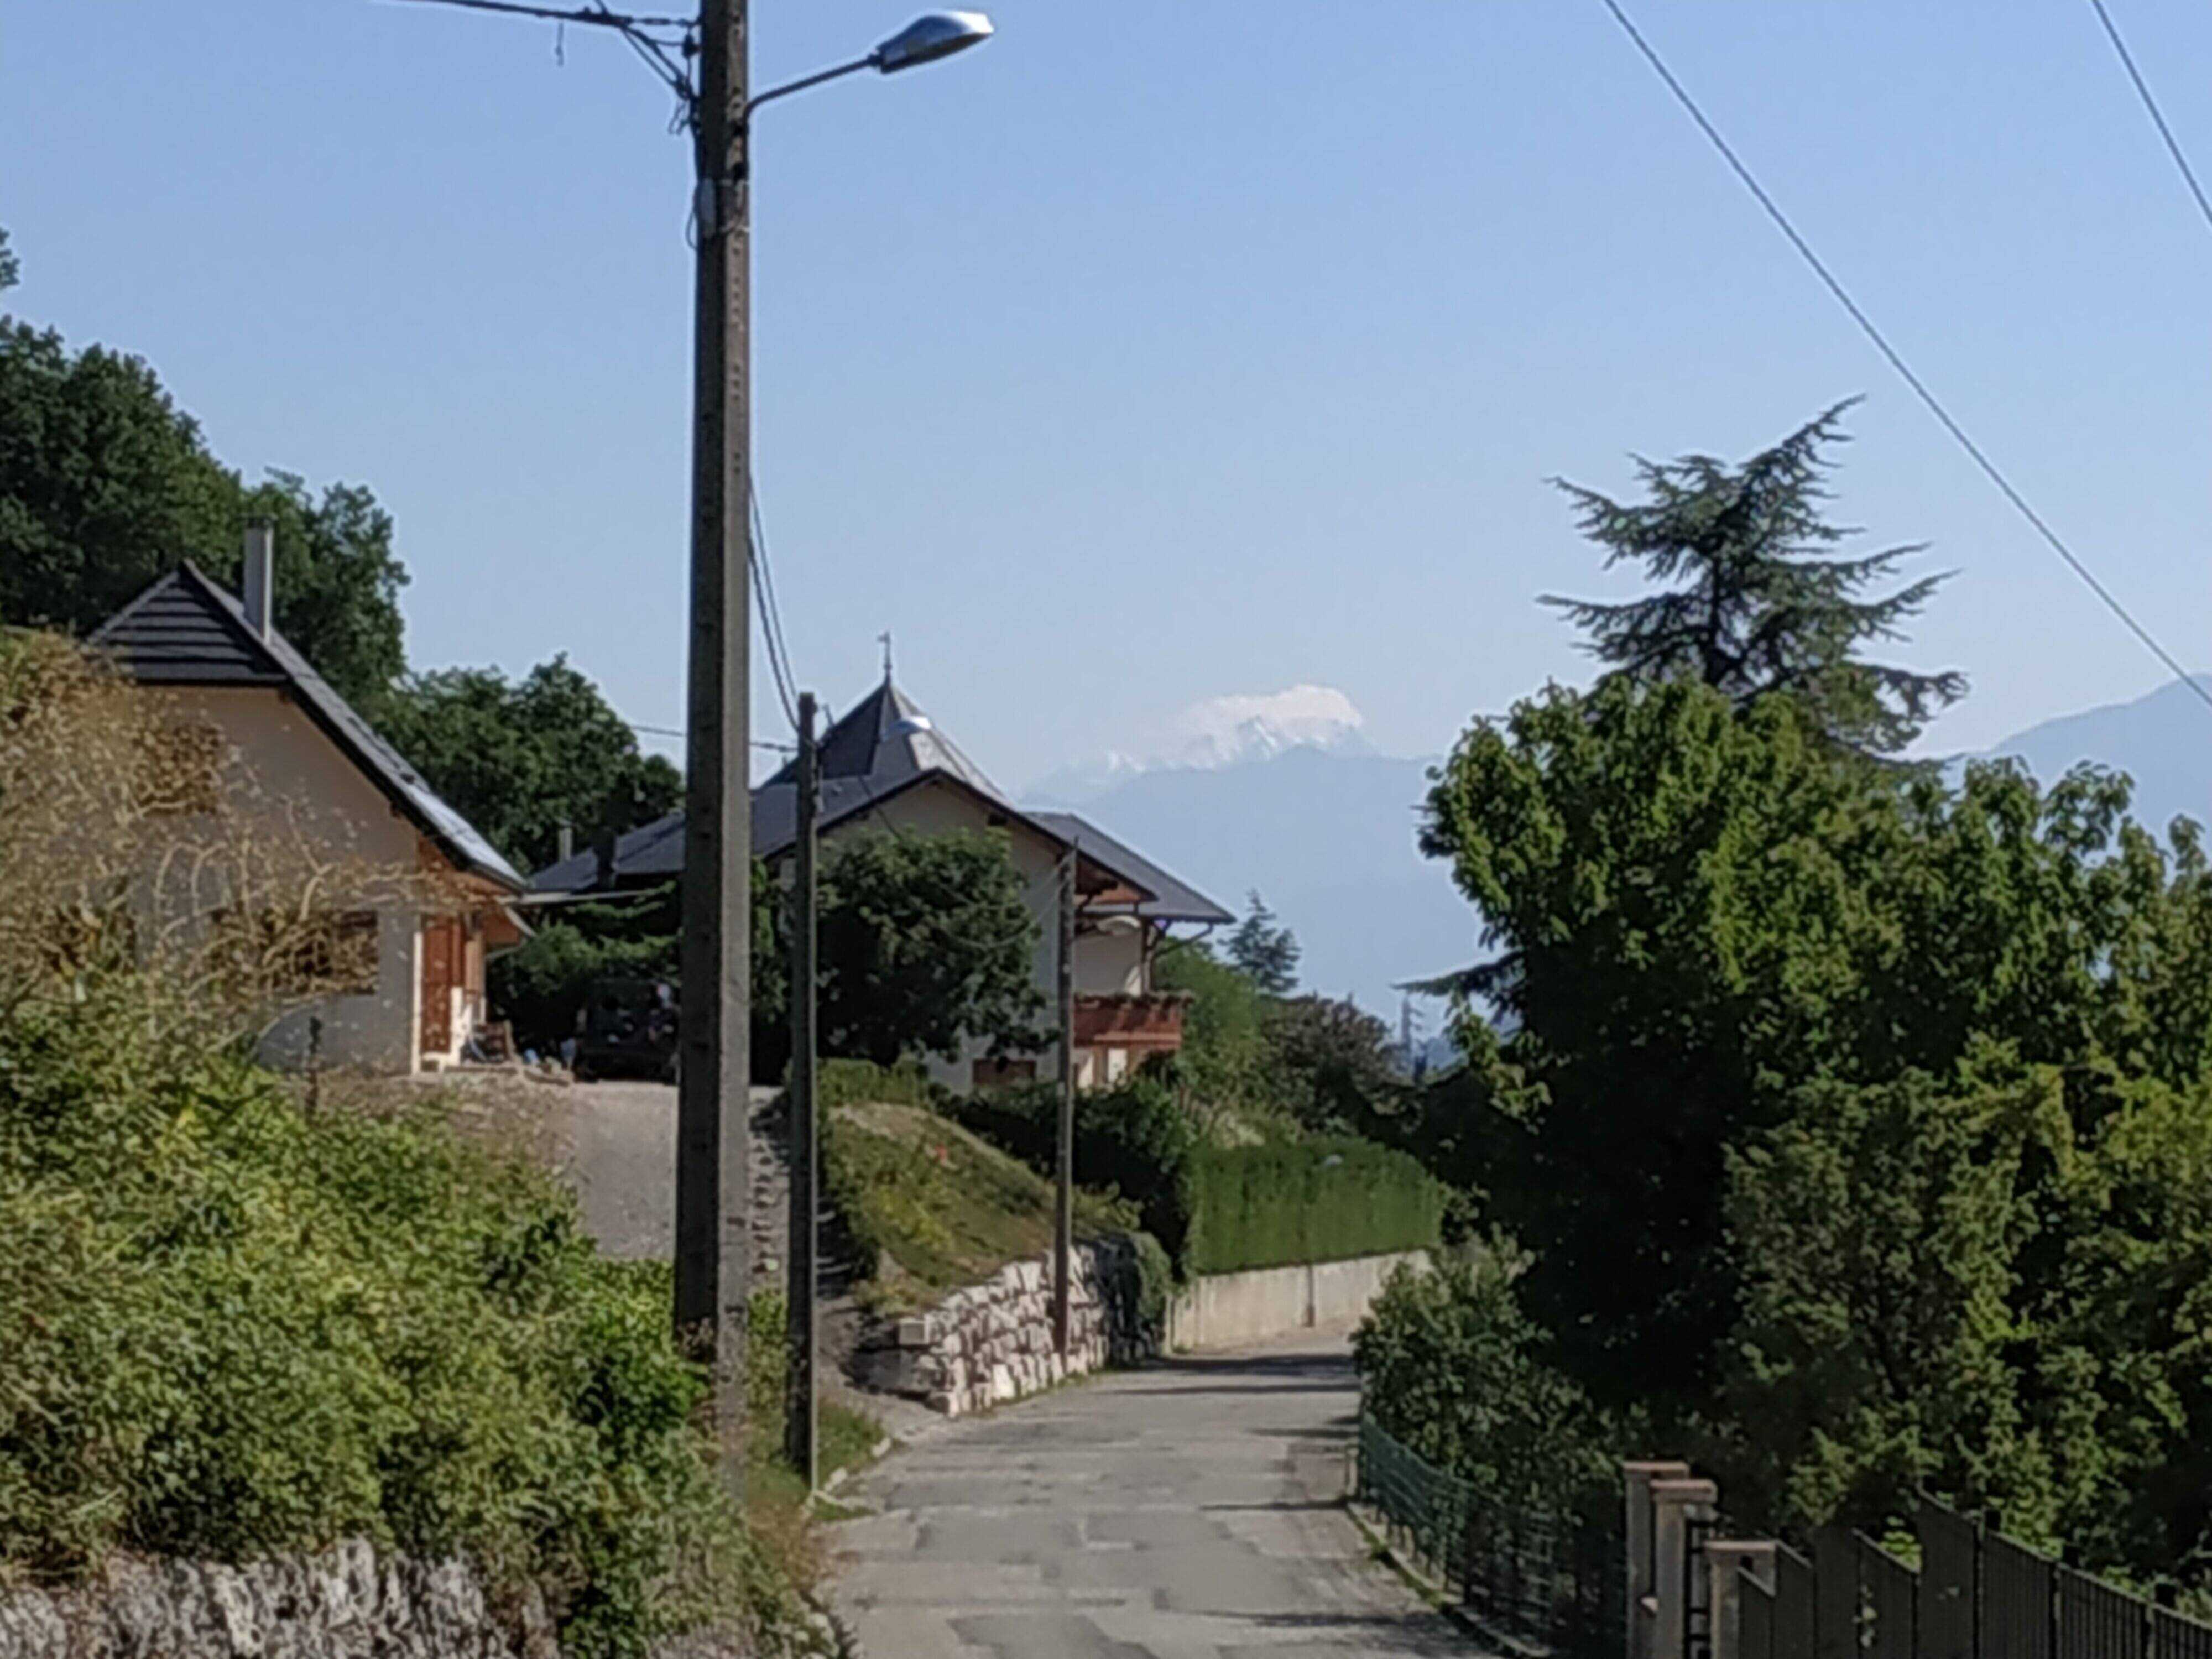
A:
(1310, 1201)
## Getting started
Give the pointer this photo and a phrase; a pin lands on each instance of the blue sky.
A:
(1155, 352)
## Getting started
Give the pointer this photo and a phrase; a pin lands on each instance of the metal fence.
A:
(1975, 1594)
(1548, 1580)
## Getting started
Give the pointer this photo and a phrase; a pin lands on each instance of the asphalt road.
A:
(618, 1146)
(1186, 1511)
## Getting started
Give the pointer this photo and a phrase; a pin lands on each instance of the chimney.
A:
(567, 843)
(260, 574)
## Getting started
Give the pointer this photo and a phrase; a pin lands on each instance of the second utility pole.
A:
(801, 1099)
(1063, 1207)
(714, 1190)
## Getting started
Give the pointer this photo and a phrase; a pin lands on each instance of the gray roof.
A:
(1172, 901)
(886, 740)
(187, 630)
(882, 746)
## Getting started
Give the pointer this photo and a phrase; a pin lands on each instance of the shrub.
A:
(231, 1328)
(1450, 1365)
(1311, 1200)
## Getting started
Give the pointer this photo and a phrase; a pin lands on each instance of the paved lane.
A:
(1187, 1511)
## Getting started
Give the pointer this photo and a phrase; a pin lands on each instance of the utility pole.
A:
(713, 1196)
(1063, 1208)
(805, 1124)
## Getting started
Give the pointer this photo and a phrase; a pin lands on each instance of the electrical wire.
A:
(2157, 115)
(771, 615)
(1920, 389)
(679, 732)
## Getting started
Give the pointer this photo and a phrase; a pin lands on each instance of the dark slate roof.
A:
(883, 746)
(887, 739)
(187, 630)
(1173, 900)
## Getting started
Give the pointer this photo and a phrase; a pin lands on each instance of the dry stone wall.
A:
(992, 1342)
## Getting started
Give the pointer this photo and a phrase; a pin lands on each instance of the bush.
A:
(1312, 1200)
(1450, 1365)
(231, 1328)
(540, 986)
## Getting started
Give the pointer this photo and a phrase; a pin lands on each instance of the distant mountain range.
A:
(1325, 834)
(1284, 794)
(1217, 733)
(2162, 740)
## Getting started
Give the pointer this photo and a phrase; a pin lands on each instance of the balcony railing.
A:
(1152, 1022)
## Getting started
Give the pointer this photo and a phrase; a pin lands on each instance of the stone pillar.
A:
(1637, 1478)
(1725, 1560)
(1674, 1502)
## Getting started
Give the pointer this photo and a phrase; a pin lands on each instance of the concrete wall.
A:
(1225, 1311)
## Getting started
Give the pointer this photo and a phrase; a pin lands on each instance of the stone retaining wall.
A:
(346, 1603)
(992, 1342)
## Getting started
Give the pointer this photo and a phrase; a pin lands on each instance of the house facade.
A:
(885, 766)
(405, 970)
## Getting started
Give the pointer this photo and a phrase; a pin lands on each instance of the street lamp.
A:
(934, 35)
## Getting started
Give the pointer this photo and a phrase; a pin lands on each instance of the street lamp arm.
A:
(814, 80)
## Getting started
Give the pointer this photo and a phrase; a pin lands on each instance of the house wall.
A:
(287, 775)
(1108, 962)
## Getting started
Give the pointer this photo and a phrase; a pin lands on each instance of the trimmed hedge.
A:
(1311, 1200)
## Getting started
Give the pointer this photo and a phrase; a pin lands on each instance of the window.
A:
(331, 954)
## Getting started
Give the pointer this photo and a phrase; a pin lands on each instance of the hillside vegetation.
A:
(931, 1207)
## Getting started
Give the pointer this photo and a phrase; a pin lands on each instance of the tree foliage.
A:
(1853, 1119)
(1266, 953)
(520, 758)
(1758, 609)
(925, 942)
(106, 484)
(1453, 1368)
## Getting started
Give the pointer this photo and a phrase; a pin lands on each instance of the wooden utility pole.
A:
(713, 1195)
(805, 1123)
(1063, 1208)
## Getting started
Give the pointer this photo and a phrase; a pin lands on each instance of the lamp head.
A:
(934, 35)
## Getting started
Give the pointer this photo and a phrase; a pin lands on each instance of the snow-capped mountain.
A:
(1217, 732)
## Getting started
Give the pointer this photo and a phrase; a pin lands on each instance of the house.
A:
(281, 745)
(885, 765)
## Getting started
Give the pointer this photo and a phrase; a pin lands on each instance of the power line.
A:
(598, 14)
(1934, 405)
(771, 614)
(679, 732)
(2157, 115)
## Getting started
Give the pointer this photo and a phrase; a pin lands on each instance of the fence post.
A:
(1673, 1502)
(1643, 1583)
(1723, 1558)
